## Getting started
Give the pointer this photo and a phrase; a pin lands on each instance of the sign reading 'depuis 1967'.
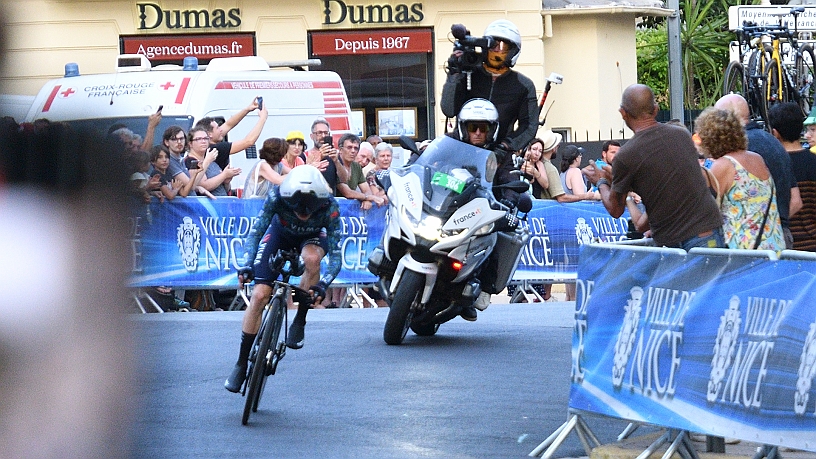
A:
(371, 41)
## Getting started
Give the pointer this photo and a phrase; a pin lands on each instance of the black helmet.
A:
(304, 190)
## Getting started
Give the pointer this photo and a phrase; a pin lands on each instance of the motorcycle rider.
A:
(512, 94)
(478, 124)
(301, 213)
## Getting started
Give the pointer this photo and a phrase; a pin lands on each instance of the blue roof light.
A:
(71, 70)
(190, 63)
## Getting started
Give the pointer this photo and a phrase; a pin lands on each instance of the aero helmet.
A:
(502, 29)
(304, 190)
(479, 110)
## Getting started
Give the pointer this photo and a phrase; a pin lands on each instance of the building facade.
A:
(390, 55)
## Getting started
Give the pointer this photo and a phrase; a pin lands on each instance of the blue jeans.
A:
(714, 240)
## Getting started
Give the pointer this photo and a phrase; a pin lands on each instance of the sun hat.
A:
(550, 140)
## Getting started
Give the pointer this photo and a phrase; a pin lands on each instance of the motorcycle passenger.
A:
(512, 94)
(303, 214)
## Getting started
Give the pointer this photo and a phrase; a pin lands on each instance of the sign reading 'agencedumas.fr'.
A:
(174, 48)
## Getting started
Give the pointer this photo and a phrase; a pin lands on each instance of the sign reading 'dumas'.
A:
(199, 242)
(152, 16)
(340, 11)
(719, 345)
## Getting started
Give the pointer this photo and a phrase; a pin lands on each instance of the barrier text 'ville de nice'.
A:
(198, 243)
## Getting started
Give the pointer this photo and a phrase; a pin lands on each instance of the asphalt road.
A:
(495, 388)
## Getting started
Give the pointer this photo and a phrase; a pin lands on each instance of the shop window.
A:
(375, 82)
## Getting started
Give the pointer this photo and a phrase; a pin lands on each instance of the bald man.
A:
(659, 163)
(788, 198)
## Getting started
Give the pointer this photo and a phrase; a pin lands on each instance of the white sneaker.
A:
(482, 302)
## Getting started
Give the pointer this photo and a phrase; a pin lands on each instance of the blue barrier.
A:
(199, 243)
(718, 342)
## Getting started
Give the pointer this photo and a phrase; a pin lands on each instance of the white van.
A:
(225, 86)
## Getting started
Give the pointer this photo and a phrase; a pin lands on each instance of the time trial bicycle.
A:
(269, 346)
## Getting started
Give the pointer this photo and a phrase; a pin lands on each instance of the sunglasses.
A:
(473, 127)
(500, 46)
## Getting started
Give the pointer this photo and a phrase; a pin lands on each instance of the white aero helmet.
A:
(502, 29)
(304, 190)
(478, 110)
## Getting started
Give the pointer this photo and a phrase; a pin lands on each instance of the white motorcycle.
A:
(443, 224)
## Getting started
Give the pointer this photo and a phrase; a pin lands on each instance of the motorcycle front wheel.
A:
(425, 329)
(400, 313)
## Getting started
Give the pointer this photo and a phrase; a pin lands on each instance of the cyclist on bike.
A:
(301, 214)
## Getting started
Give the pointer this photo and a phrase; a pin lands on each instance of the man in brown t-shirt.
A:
(660, 164)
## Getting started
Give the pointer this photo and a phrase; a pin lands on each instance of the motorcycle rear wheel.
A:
(400, 313)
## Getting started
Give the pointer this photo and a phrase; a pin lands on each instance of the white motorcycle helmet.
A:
(304, 190)
(478, 110)
(502, 29)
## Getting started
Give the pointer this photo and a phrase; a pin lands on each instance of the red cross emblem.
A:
(67, 93)
(167, 85)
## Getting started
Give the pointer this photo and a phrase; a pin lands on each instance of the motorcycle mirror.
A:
(408, 144)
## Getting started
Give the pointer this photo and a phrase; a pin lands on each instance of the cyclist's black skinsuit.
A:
(281, 228)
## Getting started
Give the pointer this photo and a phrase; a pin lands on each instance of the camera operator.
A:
(490, 76)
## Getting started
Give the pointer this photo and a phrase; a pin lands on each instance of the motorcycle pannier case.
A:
(498, 270)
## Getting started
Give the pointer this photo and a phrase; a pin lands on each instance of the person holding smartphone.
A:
(217, 133)
(324, 156)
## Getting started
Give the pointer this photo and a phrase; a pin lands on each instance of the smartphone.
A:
(161, 107)
(192, 163)
(251, 152)
(328, 141)
(260, 103)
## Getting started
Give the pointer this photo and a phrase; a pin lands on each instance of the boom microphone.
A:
(459, 31)
(525, 204)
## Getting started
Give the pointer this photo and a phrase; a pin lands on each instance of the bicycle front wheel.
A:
(774, 85)
(270, 328)
(277, 314)
(804, 78)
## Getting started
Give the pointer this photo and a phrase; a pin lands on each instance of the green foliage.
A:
(704, 37)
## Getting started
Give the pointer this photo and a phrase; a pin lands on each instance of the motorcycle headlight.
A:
(427, 227)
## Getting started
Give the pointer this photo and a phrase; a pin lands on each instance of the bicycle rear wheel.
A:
(257, 377)
(804, 77)
(755, 93)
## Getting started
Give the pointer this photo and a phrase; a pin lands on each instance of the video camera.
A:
(467, 44)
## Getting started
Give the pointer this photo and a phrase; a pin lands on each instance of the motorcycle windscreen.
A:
(450, 156)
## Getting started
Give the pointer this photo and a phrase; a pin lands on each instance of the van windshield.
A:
(137, 124)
